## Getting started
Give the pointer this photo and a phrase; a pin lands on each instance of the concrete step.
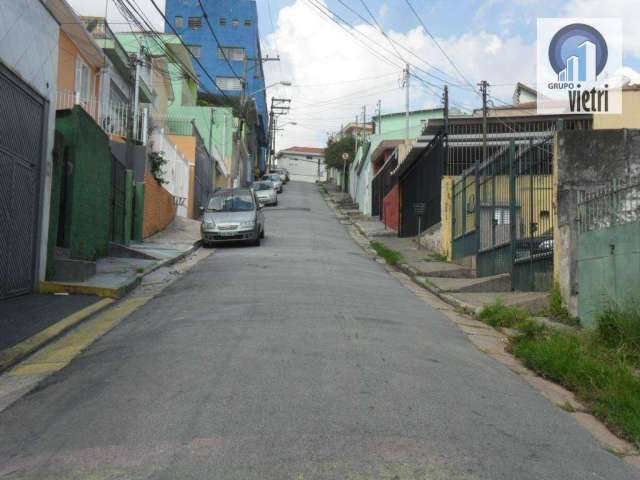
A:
(495, 283)
(534, 302)
(72, 270)
(444, 270)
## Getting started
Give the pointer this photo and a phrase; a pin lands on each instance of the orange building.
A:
(80, 62)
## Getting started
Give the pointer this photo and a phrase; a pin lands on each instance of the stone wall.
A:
(585, 161)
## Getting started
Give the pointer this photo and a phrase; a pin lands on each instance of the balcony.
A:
(114, 118)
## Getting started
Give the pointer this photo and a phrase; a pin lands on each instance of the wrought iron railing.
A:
(614, 204)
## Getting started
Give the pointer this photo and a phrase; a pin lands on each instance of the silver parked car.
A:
(275, 179)
(233, 214)
(265, 193)
(282, 172)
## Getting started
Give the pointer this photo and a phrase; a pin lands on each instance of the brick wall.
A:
(391, 208)
(159, 208)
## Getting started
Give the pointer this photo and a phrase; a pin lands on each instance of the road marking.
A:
(59, 354)
(12, 355)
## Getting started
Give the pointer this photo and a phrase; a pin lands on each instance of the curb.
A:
(116, 292)
(12, 355)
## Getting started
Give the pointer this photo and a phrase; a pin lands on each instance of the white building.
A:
(28, 82)
(305, 164)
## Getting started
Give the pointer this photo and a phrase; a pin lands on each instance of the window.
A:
(179, 22)
(196, 50)
(83, 81)
(232, 53)
(247, 23)
(501, 216)
(229, 83)
(223, 21)
(195, 23)
(235, 23)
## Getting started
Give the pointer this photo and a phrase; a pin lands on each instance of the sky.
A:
(353, 54)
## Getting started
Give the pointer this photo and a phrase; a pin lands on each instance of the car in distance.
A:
(232, 215)
(284, 176)
(265, 193)
(275, 179)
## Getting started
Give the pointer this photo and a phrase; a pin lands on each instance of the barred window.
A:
(195, 23)
(223, 21)
(235, 23)
(196, 50)
(229, 83)
(247, 23)
(179, 22)
(232, 53)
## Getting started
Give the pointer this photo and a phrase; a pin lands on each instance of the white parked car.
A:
(265, 192)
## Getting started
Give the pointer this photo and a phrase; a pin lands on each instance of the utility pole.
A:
(356, 150)
(364, 122)
(136, 92)
(279, 106)
(407, 86)
(379, 117)
(483, 89)
(445, 101)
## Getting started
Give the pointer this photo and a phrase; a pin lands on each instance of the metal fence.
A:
(615, 204)
(420, 183)
(382, 184)
(502, 207)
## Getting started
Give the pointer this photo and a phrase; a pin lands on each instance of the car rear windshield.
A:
(231, 202)
(262, 186)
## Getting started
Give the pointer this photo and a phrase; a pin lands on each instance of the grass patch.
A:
(619, 328)
(392, 257)
(601, 377)
(499, 315)
(558, 308)
(436, 257)
(140, 270)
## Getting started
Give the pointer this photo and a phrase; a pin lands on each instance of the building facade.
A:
(235, 24)
(28, 78)
(305, 164)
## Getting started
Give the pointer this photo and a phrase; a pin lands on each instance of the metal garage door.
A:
(22, 131)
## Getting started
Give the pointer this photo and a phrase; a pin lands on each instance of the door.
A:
(22, 135)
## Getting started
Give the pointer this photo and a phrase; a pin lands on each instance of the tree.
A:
(336, 147)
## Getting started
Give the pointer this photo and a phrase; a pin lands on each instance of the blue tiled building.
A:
(235, 23)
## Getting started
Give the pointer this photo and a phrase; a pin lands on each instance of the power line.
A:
(215, 37)
(155, 5)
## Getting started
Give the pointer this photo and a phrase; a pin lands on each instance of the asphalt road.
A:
(301, 359)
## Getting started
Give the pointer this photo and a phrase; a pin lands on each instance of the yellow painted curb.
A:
(58, 355)
(12, 355)
(54, 287)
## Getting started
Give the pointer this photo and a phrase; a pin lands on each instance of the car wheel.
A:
(275, 204)
(262, 233)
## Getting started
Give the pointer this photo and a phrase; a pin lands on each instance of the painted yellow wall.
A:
(629, 118)
(186, 145)
(445, 206)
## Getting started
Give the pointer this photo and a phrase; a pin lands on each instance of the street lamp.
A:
(283, 83)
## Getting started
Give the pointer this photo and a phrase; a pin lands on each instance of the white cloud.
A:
(97, 8)
(627, 10)
(314, 51)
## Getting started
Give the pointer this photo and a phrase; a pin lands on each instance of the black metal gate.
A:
(118, 201)
(421, 184)
(22, 136)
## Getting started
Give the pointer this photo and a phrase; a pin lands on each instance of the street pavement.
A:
(300, 359)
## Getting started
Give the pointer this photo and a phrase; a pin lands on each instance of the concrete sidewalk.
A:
(30, 322)
(118, 274)
(455, 284)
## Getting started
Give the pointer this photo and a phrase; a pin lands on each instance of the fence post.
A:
(512, 206)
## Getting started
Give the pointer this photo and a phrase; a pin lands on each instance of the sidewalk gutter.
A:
(13, 355)
(117, 291)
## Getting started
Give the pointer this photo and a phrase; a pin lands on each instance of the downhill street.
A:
(299, 359)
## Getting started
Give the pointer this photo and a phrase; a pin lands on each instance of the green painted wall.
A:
(608, 269)
(56, 198)
(88, 193)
